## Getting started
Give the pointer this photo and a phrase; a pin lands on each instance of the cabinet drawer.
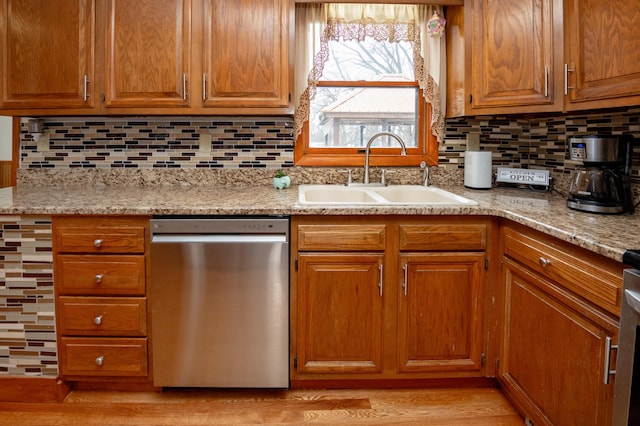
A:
(115, 316)
(100, 275)
(587, 275)
(341, 237)
(99, 235)
(443, 237)
(103, 357)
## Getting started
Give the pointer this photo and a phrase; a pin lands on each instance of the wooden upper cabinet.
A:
(525, 56)
(70, 57)
(47, 58)
(512, 56)
(246, 53)
(602, 50)
(148, 53)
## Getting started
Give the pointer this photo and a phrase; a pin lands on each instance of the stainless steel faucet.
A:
(373, 138)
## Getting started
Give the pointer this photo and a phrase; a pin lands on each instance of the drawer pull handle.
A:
(97, 243)
(98, 320)
(544, 262)
(100, 361)
(98, 278)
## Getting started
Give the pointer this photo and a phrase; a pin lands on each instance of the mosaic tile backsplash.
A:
(540, 143)
(161, 143)
(27, 323)
(267, 143)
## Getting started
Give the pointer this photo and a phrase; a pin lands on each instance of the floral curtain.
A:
(317, 24)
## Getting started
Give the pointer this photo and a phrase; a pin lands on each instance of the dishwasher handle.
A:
(220, 238)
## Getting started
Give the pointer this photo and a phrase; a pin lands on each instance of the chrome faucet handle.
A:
(384, 173)
(349, 176)
(425, 173)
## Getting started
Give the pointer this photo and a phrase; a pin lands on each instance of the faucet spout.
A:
(368, 148)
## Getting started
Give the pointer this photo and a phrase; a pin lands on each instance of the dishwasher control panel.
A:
(239, 225)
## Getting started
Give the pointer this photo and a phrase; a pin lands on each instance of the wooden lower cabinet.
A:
(100, 270)
(341, 328)
(368, 305)
(552, 363)
(439, 312)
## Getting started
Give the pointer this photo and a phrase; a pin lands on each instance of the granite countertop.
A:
(609, 235)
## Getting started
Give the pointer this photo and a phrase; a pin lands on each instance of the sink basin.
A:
(335, 194)
(416, 194)
(387, 195)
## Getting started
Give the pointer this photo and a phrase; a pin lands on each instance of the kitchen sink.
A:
(335, 194)
(383, 195)
(416, 194)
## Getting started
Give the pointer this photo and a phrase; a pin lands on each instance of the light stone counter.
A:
(609, 235)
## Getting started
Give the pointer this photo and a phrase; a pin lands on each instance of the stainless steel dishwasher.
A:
(220, 302)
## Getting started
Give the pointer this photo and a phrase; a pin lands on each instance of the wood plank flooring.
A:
(446, 407)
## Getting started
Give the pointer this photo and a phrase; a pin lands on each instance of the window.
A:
(366, 86)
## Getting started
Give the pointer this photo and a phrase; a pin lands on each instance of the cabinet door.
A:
(47, 58)
(440, 314)
(340, 313)
(148, 53)
(552, 360)
(602, 49)
(512, 54)
(246, 53)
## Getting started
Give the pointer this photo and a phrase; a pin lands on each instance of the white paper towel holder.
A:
(477, 169)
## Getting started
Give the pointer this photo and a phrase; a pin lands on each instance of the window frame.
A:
(426, 150)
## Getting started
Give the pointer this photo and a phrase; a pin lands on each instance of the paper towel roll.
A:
(477, 169)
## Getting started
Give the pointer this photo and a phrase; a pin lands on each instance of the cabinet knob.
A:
(100, 360)
(98, 320)
(97, 243)
(544, 262)
(98, 278)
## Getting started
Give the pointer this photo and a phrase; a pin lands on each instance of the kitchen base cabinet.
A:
(439, 312)
(341, 329)
(552, 359)
(387, 299)
(100, 269)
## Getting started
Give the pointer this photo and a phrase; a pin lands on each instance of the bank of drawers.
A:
(101, 304)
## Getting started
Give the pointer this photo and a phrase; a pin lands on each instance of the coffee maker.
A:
(601, 185)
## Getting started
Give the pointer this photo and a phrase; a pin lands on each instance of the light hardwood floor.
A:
(450, 407)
